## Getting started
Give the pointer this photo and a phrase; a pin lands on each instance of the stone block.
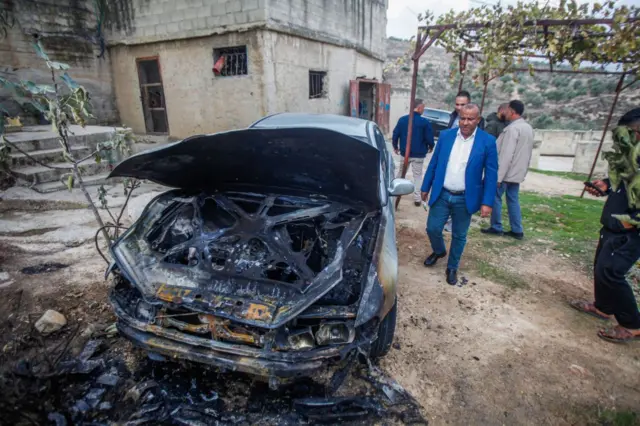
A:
(172, 28)
(233, 6)
(186, 25)
(249, 5)
(213, 21)
(218, 10)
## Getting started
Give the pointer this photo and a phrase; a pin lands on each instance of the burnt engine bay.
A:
(270, 271)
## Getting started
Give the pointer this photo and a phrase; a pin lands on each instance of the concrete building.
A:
(183, 67)
(269, 56)
(67, 31)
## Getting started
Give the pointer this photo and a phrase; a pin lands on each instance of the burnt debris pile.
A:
(98, 387)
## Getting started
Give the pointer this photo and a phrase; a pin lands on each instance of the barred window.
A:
(230, 61)
(316, 84)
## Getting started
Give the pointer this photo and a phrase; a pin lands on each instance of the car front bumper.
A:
(176, 345)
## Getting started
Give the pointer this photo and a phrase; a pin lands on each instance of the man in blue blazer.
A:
(462, 178)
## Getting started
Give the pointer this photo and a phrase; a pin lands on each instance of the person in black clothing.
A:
(618, 250)
(496, 121)
(462, 98)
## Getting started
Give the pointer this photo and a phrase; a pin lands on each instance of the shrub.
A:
(536, 100)
(555, 95)
(543, 121)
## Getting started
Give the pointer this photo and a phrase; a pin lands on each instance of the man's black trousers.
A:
(615, 255)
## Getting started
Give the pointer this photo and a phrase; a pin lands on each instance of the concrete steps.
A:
(42, 174)
(46, 156)
(98, 179)
(43, 145)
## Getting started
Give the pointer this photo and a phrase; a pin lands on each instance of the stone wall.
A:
(197, 101)
(400, 100)
(585, 153)
(287, 62)
(277, 81)
(563, 143)
(146, 21)
(66, 29)
(350, 23)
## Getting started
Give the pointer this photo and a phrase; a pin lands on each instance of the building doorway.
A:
(370, 100)
(152, 97)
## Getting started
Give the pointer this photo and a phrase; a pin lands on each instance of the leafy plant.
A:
(500, 32)
(64, 102)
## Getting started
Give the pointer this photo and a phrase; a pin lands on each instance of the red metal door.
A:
(383, 106)
(354, 95)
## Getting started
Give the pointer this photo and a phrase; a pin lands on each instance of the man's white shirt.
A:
(457, 165)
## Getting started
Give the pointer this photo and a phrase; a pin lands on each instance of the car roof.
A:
(351, 126)
(438, 110)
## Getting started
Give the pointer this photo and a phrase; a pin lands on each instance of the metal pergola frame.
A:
(427, 35)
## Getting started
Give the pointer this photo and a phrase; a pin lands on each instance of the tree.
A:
(543, 121)
(533, 99)
(500, 31)
(65, 102)
(596, 87)
(555, 95)
(508, 88)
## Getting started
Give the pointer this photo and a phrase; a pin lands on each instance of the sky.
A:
(402, 19)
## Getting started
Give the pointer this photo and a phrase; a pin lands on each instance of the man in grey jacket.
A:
(515, 146)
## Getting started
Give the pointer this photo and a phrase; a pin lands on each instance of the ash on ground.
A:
(110, 382)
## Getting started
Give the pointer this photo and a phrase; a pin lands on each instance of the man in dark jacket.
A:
(618, 250)
(421, 144)
(496, 122)
(462, 98)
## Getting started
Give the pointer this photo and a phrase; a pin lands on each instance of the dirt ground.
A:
(481, 353)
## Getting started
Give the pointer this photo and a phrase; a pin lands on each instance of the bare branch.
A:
(134, 185)
(92, 154)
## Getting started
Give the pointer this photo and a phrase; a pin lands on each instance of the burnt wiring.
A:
(95, 238)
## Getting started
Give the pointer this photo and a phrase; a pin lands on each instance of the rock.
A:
(109, 379)
(81, 340)
(51, 321)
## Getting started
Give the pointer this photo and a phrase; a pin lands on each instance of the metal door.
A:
(152, 96)
(383, 106)
(354, 95)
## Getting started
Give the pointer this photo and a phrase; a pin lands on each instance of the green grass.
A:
(500, 275)
(618, 418)
(567, 224)
(567, 175)
(571, 223)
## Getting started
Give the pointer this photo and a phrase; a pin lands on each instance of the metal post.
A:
(606, 127)
(412, 106)
(421, 47)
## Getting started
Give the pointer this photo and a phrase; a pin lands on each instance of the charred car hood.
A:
(307, 160)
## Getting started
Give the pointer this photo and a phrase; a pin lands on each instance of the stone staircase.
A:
(42, 144)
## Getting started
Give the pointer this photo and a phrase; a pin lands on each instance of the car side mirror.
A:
(401, 187)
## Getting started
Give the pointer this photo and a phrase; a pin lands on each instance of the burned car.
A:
(274, 255)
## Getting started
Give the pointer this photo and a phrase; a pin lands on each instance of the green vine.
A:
(504, 40)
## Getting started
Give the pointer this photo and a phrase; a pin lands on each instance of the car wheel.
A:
(386, 330)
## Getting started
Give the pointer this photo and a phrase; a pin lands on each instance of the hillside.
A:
(553, 101)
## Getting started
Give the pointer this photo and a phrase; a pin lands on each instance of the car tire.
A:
(387, 328)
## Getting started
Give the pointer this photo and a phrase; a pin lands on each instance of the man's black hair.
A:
(630, 118)
(517, 107)
(464, 93)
